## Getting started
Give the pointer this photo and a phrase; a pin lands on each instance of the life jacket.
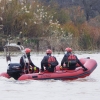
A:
(52, 61)
(72, 60)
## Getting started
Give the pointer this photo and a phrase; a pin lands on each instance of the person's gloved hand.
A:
(61, 67)
(34, 68)
(85, 69)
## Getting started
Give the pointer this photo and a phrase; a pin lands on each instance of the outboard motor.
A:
(14, 70)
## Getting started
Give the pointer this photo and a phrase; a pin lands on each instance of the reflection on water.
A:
(80, 89)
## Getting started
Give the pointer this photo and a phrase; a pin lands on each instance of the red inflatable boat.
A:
(61, 74)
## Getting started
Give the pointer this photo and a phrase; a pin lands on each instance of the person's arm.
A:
(45, 60)
(22, 62)
(81, 65)
(31, 63)
(42, 63)
(42, 67)
(63, 60)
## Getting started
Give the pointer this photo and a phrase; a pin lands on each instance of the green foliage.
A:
(85, 41)
(98, 43)
(77, 15)
(62, 16)
(71, 28)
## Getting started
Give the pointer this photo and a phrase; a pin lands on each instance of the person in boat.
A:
(49, 62)
(70, 60)
(26, 63)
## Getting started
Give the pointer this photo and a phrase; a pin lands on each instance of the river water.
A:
(81, 89)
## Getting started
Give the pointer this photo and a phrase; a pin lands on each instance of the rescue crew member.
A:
(70, 60)
(49, 62)
(27, 64)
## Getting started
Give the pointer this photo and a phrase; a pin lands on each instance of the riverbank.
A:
(57, 53)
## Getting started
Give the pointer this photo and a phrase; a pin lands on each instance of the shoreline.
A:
(54, 53)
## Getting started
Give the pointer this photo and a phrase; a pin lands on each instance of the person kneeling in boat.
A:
(70, 60)
(27, 64)
(49, 62)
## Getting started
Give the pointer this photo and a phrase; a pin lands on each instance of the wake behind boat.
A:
(58, 74)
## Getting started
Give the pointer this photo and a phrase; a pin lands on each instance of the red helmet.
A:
(48, 51)
(27, 50)
(68, 49)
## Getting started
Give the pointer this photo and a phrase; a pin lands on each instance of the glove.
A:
(30, 68)
(61, 67)
(85, 69)
(34, 68)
